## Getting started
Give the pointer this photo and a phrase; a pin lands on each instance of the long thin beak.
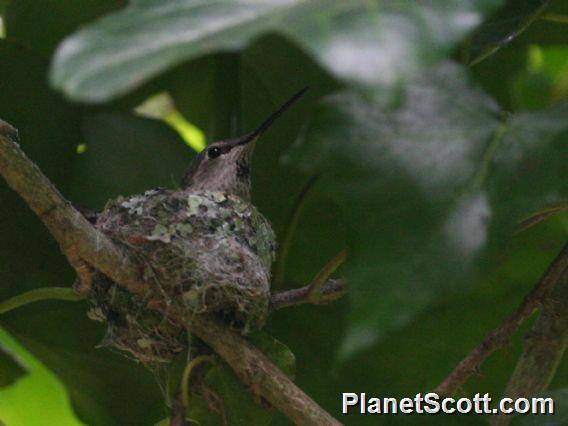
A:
(255, 134)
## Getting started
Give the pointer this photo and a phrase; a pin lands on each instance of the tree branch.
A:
(257, 371)
(330, 291)
(544, 346)
(500, 336)
(79, 240)
(293, 219)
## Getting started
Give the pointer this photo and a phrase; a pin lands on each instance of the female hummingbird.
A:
(205, 247)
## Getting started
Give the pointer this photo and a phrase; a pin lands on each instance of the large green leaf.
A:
(41, 24)
(416, 184)
(99, 382)
(38, 397)
(368, 42)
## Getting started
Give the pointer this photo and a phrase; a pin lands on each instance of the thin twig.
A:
(280, 266)
(330, 291)
(314, 293)
(499, 337)
(76, 236)
(38, 294)
(539, 216)
(555, 17)
(491, 49)
(177, 412)
(186, 374)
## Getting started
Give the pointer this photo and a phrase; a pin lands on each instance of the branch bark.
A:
(81, 242)
(78, 239)
(500, 336)
(255, 369)
(330, 291)
(544, 347)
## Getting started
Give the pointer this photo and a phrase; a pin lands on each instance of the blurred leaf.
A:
(100, 383)
(235, 402)
(547, 32)
(126, 155)
(507, 73)
(161, 106)
(369, 43)
(502, 29)
(545, 79)
(530, 164)
(537, 217)
(422, 353)
(38, 397)
(411, 182)
(49, 142)
(41, 24)
(277, 351)
(11, 368)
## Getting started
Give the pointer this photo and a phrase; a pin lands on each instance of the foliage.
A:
(425, 166)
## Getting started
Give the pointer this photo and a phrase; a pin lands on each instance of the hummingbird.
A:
(225, 165)
(205, 247)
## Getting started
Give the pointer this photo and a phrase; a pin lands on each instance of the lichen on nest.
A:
(204, 251)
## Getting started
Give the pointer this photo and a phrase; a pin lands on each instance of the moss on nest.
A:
(205, 252)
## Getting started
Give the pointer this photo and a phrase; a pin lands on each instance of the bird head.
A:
(225, 165)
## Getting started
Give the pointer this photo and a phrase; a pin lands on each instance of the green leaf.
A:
(41, 24)
(378, 42)
(3, 5)
(38, 397)
(527, 73)
(11, 368)
(543, 82)
(421, 354)
(100, 383)
(529, 167)
(48, 142)
(503, 28)
(124, 155)
(277, 351)
(415, 185)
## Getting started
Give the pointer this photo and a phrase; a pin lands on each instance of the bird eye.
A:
(214, 152)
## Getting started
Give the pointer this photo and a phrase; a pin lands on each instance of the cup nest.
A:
(202, 252)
